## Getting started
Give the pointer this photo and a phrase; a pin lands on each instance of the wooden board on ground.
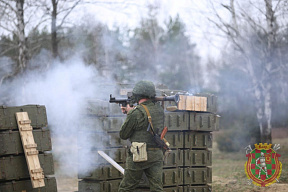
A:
(29, 146)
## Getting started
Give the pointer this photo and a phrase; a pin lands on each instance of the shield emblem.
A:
(263, 166)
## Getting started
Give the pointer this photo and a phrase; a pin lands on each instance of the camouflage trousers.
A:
(152, 168)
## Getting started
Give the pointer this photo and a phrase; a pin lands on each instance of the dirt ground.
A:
(65, 184)
(71, 185)
(223, 184)
(228, 173)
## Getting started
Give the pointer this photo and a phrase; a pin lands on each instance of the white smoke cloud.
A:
(64, 89)
(6, 67)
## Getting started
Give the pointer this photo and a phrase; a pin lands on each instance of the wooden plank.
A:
(190, 103)
(203, 103)
(34, 152)
(182, 102)
(37, 170)
(23, 122)
(31, 154)
(196, 103)
(26, 128)
(29, 146)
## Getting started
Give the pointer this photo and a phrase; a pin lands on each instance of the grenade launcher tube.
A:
(125, 101)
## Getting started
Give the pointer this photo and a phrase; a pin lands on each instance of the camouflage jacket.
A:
(136, 123)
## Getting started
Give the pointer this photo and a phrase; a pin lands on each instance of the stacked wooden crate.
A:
(186, 169)
(14, 172)
(102, 123)
(194, 125)
(190, 124)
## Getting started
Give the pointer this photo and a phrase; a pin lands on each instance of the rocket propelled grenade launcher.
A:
(125, 101)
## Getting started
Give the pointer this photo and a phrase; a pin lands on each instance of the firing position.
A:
(145, 156)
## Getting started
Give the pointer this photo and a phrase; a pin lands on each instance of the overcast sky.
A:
(128, 13)
(194, 14)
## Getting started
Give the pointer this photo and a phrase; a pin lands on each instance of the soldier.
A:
(135, 129)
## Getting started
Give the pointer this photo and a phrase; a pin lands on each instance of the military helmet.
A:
(144, 89)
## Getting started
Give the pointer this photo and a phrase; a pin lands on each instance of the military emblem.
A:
(263, 167)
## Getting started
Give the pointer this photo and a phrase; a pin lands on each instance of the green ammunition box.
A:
(117, 154)
(37, 115)
(166, 189)
(102, 108)
(173, 189)
(193, 139)
(10, 141)
(105, 139)
(26, 185)
(91, 123)
(15, 167)
(189, 135)
(195, 176)
(103, 172)
(101, 186)
(211, 101)
(217, 124)
(177, 120)
(113, 123)
(198, 157)
(199, 188)
(170, 177)
(97, 108)
(168, 104)
(174, 158)
(115, 140)
(175, 139)
(203, 121)
(105, 123)
(101, 138)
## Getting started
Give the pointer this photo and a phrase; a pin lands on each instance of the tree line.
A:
(249, 78)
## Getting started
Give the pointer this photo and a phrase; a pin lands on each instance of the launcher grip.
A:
(164, 132)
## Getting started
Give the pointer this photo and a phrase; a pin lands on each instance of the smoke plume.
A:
(64, 89)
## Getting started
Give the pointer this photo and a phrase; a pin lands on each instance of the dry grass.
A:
(228, 173)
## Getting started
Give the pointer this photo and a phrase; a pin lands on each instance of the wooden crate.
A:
(192, 103)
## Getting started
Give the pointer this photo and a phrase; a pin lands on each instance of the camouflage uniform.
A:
(135, 129)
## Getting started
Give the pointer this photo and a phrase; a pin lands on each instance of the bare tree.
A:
(16, 17)
(242, 32)
(13, 22)
(61, 9)
(19, 16)
(66, 7)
